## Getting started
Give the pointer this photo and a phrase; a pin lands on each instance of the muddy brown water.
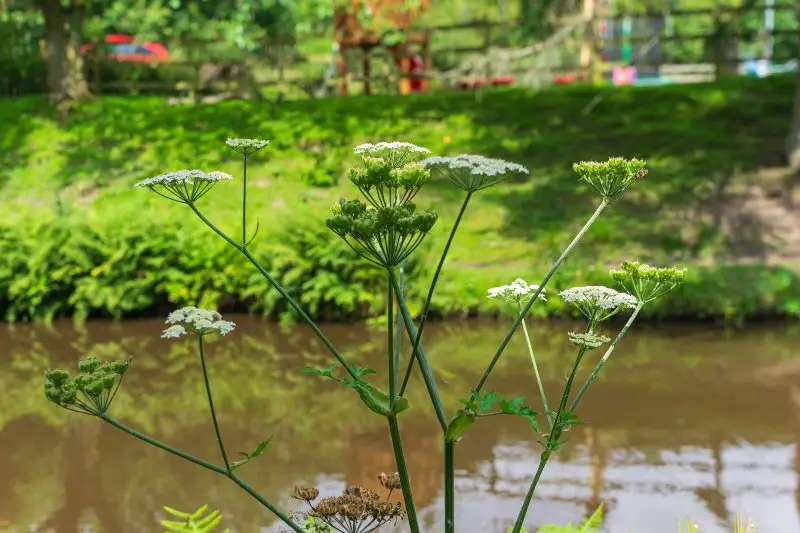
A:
(684, 421)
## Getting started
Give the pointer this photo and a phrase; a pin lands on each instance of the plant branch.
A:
(605, 357)
(214, 468)
(427, 374)
(322, 337)
(426, 307)
(402, 471)
(536, 371)
(211, 404)
(535, 297)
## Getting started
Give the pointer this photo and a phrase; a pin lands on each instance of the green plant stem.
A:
(528, 497)
(552, 438)
(426, 307)
(390, 338)
(402, 471)
(536, 371)
(263, 501)
(322, 337)
(427, 373)
(449, 487)
(211, 404)
(602, 361)
(214, 468)
(166, 447)
(244, 203)
(535, 297)
(399, 327)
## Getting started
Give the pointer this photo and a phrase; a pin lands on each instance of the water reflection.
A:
(689, 422)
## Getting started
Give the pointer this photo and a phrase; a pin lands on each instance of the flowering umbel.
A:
(518, 292)
(91, 391)
(184, 186)
(246, 146)
(611, 178)
(598, 303)
(647, 282)
(198, 321)
(473, 172)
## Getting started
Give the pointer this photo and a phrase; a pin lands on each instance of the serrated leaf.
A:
(326, 372)
(487, 401)
(511, 406)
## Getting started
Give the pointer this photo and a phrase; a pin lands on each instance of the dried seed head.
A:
(391, 482)
(305, 493)
(326, 508)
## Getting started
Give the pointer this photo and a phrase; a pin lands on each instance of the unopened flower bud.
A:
(89, 365)
(57, 377)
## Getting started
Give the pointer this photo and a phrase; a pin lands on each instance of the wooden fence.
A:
(580, 54)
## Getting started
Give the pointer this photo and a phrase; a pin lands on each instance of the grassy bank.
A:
(77, 239)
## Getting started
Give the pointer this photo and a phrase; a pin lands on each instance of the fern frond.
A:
(196, 522)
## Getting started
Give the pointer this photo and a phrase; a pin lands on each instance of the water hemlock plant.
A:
(385, 227)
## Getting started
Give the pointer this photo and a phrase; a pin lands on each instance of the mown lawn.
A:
(710, 147)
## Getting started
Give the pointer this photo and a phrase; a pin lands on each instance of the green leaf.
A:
(459, 424)
(258, 452)
(363, 371)
(594, 522)
(326, 372)
(378, 401)
(510, 407)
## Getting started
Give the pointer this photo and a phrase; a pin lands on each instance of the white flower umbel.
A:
(473, 172)
(598, 303)
(589, 341)
(395, 153)
(199, 321)
(184, 186)
(518, 292)
(246, 146)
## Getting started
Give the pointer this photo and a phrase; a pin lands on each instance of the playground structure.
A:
(410, 54)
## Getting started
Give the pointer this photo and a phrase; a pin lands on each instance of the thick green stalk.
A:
(426, 307)
(529, 496)
(449, 487)
(322, 337)
(390, 338)
(536, 371)
(605, 357)
(399, 327)
(535, 297)
(427, 373)
(244, 202)
(211, 404)
(405, 483)
(552, 438)
(214, 468)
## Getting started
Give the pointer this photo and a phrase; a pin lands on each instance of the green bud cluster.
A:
(385, 185)
(612, 177)
(91, 390)
(384, 235)
(647, 282)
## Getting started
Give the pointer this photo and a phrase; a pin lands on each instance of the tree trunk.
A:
(793, 142)
(66, 77)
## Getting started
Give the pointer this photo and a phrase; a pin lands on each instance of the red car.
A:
(122, 48)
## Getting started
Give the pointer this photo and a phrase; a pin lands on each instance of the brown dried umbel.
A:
(356, 510)
(391, 482)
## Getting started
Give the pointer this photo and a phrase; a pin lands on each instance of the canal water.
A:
(685, 421)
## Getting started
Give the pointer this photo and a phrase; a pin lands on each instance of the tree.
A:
(63, 36)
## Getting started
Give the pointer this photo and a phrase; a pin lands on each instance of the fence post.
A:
(487, 48)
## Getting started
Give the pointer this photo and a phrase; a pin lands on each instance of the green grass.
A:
(706, 144)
